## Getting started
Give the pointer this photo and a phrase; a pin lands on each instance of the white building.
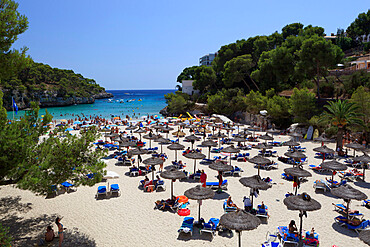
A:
(187, 87)
(207, 59)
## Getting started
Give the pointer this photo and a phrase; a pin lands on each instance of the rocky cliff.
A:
(47, 98)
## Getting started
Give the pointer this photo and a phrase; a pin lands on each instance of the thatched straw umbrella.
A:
(266, 138)
(263, 147)
(220, 166)
(334, 166)
(173, 174)
(199, 193)
(254, 182)
(140, 131)
(167, 129)
(176, 146)
(303, 203)
(295, 155)
(209, 144)
(297, 172)
(258, 160)
(162, 141)
(153, 161)
(150, 137)
(291, 143)
(365, 237)
(324, 150)
(192, 139)
(137, 151)
(348, 193)
(322, 140)
(195, 156)
(364, 159)
(231, 150)
(355, 146)
(240, 221)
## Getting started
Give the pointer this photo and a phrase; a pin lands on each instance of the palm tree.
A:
(341, 114)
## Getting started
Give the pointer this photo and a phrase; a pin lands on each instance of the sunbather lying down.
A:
(353, 222)
(350, 211)
(165, 204)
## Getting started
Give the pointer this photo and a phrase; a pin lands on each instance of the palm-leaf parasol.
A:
(303, 203)
(348, 193)
(176, 146)
(195, 156)
(173, 174)
(254, 182)
(199, 193)
(258, 160)
(240, 221)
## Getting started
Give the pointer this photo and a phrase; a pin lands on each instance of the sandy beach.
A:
(131, 220)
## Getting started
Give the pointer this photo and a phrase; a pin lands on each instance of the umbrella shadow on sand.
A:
(326, 193)
(221, 196)
(196, 235)
(344, 230)
(362, 184)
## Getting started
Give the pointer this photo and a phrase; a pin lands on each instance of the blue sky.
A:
(146, 44)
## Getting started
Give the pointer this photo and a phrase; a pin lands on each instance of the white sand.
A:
(130, 219)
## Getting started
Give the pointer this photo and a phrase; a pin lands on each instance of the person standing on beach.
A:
(203, 178)
(60, 230)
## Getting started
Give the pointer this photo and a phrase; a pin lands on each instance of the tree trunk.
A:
(318, 80)
(254, 82)
(340, 138)
(246, 84)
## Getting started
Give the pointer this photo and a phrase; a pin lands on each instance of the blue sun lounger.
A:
(365, 225)
(114, 189)
(228, 208)
(262, 212)
(187, 225)
(211, 226)
(102, 190)
(214, 185)
(286, 237)
(67, 186)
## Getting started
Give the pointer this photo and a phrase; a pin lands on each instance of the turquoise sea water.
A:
(124, 102)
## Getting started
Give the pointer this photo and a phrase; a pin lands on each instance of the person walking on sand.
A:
(60, 230)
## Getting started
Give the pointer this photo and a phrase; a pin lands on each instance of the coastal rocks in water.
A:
(47, 98)
(164, 112)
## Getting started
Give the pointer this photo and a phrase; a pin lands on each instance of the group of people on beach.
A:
(50, 234)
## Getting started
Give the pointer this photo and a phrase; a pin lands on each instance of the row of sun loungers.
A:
(114, 190)
(187, 226)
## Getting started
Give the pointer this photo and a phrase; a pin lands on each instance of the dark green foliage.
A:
(3, 114)
(177, 103)
(357, 79)
(345, 43)
(187, 74)
(302, 105)
(56, 160)
(292, 30)
(361, 98)
(36, 164)
(12, 23)
(316, 56)
(40, 77)
(237, 72)
(278, 109)
(227, 101)
(367, 46)
(360, 26)
(5, 239)
(341, 114)
(256, 102)
(205, 79)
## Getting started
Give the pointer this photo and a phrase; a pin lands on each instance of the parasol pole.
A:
(171, 189)
(194, 165)
(209, 153)
(300, 228)
(240, 238)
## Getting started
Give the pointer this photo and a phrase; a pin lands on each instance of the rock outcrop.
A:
(47, 98)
